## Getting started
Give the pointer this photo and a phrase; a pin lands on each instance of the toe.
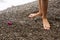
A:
(47, 28)
(32, 15)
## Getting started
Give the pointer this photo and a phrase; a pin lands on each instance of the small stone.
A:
(9, 23)
(1, 34)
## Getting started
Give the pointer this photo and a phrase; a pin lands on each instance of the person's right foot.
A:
(34, 15)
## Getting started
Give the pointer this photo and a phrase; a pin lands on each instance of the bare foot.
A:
(46, 24)
(34, 15)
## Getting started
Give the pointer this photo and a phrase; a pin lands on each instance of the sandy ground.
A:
(24, 28)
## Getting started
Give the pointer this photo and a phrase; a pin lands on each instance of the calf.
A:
(43, 5)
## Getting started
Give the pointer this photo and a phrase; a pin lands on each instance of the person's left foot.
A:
(46, 24)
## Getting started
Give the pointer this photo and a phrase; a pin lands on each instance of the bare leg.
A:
(38, 13)
(44, 6)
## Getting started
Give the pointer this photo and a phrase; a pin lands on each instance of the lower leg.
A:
(38, 13)
(44, 6)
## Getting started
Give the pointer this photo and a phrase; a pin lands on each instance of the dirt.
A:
(15, 24)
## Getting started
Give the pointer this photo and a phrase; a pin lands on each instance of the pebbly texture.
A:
(24, 28)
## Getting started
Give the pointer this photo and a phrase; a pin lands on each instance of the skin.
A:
(43, 5)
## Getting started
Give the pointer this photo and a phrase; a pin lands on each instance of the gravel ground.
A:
(15, 24)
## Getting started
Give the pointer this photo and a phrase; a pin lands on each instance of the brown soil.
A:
(24, 28)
